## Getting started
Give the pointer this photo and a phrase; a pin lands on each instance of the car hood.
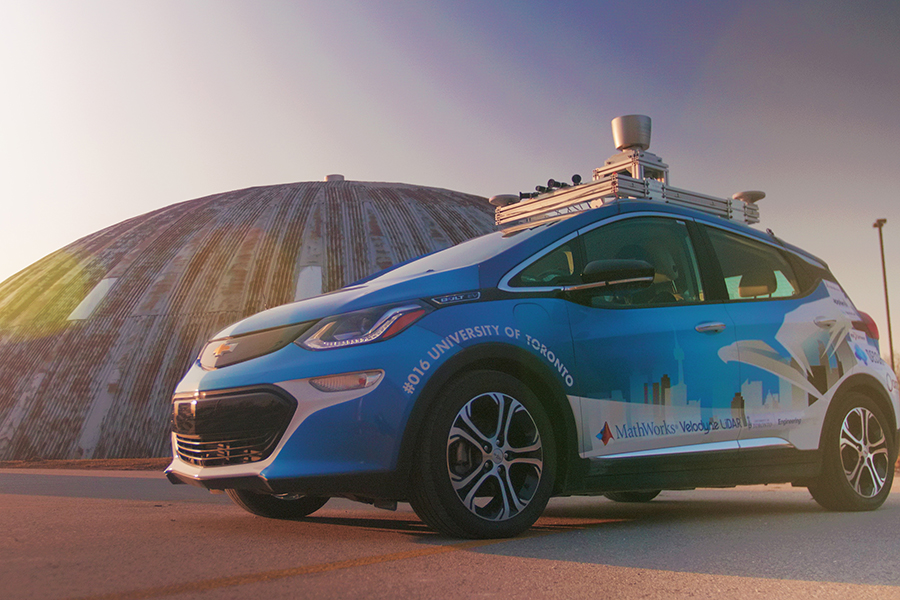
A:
(383, 290)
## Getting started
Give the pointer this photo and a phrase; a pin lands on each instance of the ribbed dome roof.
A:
(94, 337)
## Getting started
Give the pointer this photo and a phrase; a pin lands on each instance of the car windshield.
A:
(467, 253)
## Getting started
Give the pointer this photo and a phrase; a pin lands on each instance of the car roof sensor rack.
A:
(632, 173)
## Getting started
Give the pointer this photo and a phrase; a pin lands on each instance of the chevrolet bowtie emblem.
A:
(224, 349)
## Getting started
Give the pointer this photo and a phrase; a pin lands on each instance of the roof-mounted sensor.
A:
(633, 173)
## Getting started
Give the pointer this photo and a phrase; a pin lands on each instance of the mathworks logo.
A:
(605, 434)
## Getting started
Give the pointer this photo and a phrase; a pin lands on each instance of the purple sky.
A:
(111, 109)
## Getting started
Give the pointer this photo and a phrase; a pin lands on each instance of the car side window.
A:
(752, 270)
(556, 268)
(664, 243)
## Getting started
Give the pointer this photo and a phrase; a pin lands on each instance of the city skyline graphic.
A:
(775, 388)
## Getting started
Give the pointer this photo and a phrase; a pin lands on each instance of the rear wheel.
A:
(487, 460)
(632, 496)
(281, 506)
(857, 457)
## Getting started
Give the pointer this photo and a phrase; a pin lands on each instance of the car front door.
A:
(651, 381)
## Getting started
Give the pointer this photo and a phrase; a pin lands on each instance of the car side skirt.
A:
(723, 468)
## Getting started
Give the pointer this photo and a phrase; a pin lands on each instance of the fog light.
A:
(346, 381)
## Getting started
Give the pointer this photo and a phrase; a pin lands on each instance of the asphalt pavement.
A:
(122, 535)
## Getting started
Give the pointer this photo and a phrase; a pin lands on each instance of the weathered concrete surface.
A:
(94, 337)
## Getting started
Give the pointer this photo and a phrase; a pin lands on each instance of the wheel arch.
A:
(871, 387)
(517, 363)
(836, 487)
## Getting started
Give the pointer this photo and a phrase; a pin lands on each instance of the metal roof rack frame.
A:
(633, 173)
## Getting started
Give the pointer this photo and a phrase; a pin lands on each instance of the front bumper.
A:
(289, 437)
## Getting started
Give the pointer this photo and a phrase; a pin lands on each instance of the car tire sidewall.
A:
(272, 507)
(433, 468)
(633, 496)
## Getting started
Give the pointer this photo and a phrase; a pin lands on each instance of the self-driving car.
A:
(618, 337)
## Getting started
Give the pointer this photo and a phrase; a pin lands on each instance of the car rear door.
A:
(795, 341)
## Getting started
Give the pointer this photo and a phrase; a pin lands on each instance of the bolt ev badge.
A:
(449, 299)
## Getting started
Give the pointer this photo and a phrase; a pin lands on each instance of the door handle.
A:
(824, 322)
(710, 327)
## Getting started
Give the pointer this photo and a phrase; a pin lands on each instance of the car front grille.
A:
(230, 427)
(225, 449)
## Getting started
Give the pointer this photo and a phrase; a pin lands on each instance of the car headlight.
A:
(226, 351)
(362, 326)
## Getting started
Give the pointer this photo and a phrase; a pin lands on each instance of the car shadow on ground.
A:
(662, 509)
(563, 515)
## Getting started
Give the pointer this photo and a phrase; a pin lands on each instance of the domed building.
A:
(94, 337)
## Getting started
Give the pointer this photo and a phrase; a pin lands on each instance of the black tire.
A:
(276, 507)
(632, 496)
(857, 457)
(486, 460)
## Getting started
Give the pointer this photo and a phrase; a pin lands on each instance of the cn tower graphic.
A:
(678, 391)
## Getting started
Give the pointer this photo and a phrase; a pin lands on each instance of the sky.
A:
(112, 109)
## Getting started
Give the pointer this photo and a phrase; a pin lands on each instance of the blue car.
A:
(604, 344)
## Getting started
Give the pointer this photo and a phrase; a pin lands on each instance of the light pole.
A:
(879, 223)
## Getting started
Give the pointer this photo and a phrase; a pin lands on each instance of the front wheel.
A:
(281, 506)
(487, 459)
(857, 457)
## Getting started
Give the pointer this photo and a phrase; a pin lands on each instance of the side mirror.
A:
(616, 275)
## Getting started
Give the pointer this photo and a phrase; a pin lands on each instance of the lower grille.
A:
(230, 427)
(223, 449)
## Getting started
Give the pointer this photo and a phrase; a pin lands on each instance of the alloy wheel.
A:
(864, 452)
(494, 456)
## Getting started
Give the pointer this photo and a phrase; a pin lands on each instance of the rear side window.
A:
(753, 270)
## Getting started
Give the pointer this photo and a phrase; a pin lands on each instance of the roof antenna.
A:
(750, 196)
